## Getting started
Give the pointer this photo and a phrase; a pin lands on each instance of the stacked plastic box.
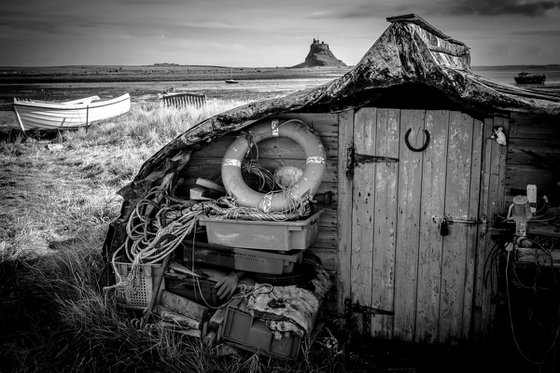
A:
(265, 248)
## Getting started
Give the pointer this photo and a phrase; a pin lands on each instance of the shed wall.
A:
(533, 155)
(206, 162)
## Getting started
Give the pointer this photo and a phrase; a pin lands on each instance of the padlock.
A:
(444, 228)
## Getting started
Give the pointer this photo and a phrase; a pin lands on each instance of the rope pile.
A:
(160, 223)
(155, 232)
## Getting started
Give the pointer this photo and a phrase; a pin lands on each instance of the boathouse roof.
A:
(411, 65)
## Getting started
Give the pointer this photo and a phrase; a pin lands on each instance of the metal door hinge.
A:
(354, 159)
(356, 307)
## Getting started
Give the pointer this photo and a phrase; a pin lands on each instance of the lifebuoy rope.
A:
(283, 199)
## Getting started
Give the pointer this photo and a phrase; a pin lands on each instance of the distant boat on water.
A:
(44, 115)
(231, 80)
(526, 78)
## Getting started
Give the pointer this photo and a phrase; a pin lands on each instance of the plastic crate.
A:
(262, 235)
(246, 260)
(200, 290)
(252, 334)
(141, 293)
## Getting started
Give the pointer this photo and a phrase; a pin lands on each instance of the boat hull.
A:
(74, 114)
(530, 79)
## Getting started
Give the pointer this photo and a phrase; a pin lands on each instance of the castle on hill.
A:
(320, 55)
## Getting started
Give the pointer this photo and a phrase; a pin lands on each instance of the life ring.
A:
(307, 185)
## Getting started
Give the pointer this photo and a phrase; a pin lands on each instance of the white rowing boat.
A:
(68, 115)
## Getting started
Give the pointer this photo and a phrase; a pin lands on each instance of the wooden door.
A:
(413, 282)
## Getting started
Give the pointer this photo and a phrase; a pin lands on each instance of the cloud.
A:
(502, 7)
(538, 33)
(377, 8)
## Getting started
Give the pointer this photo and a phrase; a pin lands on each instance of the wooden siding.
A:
(533, 154)
(491, 204)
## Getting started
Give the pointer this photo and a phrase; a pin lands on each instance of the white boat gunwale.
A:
(63, 106)
(82, 112)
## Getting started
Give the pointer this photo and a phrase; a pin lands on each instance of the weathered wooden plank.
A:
(431, 241)
(176, 318)
(332, 187)
(183, 306)
(408, 229)
(534, 256)
(320, 122)
(212, 166)
(280, 147)
(541, 153)
(385, 222)
(326, 236)
(345, 189)
(518, 176)
(526, 126)
(456, 205)
(493, 207)
(482, 293)
(472, 230)
(363, 208)
(502, 154)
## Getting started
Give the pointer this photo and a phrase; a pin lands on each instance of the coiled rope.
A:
(154, 232)
(160, 222)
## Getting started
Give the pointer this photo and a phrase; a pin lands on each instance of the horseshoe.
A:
(412, 148)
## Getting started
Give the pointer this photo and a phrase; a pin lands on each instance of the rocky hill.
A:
(320, 55)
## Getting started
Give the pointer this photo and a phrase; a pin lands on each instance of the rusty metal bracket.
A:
(349, 164)
(354, 159)
(356, 307)
(364, 158)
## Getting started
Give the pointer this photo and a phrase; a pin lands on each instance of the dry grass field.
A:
(57, 196)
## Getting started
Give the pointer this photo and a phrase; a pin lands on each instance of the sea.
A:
(505, 74)
(246, 90)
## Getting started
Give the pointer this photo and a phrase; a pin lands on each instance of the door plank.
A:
(456, 205)
(431, 241)
(481, 291)
(344, 225)
(363, 209)
(408, 226)
(385, 222)
(472, 230)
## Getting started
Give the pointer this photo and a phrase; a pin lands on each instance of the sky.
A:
(262, 33)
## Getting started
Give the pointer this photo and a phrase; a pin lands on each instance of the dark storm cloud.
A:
(502, 7)
(538, 33)
(152, 3)
(374, 9)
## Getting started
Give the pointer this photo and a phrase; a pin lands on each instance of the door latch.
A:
(445, 221)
